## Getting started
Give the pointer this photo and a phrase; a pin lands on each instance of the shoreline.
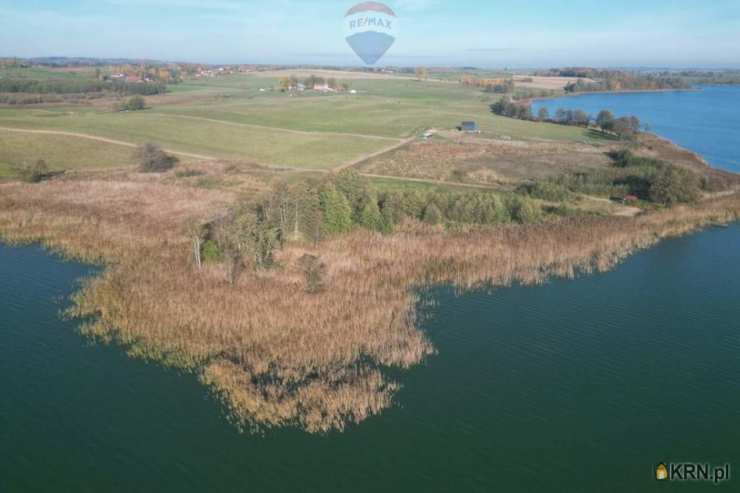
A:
(322, 366)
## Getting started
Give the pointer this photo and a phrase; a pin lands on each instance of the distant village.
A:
(132, 71)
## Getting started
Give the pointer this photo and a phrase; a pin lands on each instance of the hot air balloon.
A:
(370, 28)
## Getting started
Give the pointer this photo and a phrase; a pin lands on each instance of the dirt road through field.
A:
(101, 139)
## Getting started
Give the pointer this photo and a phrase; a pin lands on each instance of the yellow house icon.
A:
(661, 473)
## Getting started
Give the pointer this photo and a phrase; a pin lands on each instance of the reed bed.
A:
(276, 354)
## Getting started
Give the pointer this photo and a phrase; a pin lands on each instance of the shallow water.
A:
(706, 121)
(575, 386)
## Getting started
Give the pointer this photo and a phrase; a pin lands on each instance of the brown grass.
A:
(547, 83)
(276, 354)
(460, 158)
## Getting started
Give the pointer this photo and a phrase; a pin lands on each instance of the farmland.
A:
(242, 118)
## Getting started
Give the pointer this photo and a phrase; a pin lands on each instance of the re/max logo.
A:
(370, 22)
(690, 471)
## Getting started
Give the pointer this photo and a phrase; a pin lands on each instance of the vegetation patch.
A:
(287, 339)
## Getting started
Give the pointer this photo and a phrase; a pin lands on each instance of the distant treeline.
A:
(616, 80)
(29, 99)
(58, 86)
(495, 86)
(628, 83)
(712, 77)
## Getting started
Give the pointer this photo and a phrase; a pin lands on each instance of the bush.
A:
(673, 185)
(524, 210)
(136, 103)
(315, 271)
(152, 159)
(188, 173)
(34, 173)
(552, 192)
(432, 214)
(626, 159)
(211, 252)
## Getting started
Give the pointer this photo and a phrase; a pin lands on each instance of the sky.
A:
(486, 33)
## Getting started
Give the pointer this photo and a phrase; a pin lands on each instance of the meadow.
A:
(60, 152)
(242, 118)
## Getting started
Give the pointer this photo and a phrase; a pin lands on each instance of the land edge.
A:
(584, 266)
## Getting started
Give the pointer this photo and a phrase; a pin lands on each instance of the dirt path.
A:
(379, 153)
(431, 182)
(279, 129)
(621, 210)
(101, 139)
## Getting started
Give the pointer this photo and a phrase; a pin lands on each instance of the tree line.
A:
(615, 80)
(623, 127)
(56, 86)
(648, 179)
(316, 210)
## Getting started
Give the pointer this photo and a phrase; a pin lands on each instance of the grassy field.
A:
(59, 152)
(390, 108)
(40, 73)
(214, 139)
(242, 118)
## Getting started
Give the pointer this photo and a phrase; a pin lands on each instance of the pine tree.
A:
(337, 211)
(371, 217)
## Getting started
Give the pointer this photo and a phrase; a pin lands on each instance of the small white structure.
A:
(323, 87)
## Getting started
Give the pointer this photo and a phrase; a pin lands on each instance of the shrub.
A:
(152, 159)
(524, 210)
(552, 192)
(432, 214)
(315, 271)
(136, 103)
(188, 173)
(211, 252)
(626, 159)
(34, 173)
(673, 185)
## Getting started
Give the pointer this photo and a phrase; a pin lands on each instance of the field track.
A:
(100, 139)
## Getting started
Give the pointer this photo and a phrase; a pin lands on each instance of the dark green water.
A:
(576, 386)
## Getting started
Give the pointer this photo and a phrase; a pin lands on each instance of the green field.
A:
(41, 73)
(242, 118)
(59, 152)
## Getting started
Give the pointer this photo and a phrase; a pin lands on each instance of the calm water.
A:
(706, 121)
(575, 386)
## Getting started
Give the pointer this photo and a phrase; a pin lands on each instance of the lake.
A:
(706, 121)
(574, 386)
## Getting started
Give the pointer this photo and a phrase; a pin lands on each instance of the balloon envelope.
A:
(370, 29)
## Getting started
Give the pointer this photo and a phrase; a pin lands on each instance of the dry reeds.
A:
(275, 353)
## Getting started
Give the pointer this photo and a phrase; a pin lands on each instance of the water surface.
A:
(575, 386)
(706, 121)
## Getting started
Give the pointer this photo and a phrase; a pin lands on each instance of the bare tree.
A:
(196, 232)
